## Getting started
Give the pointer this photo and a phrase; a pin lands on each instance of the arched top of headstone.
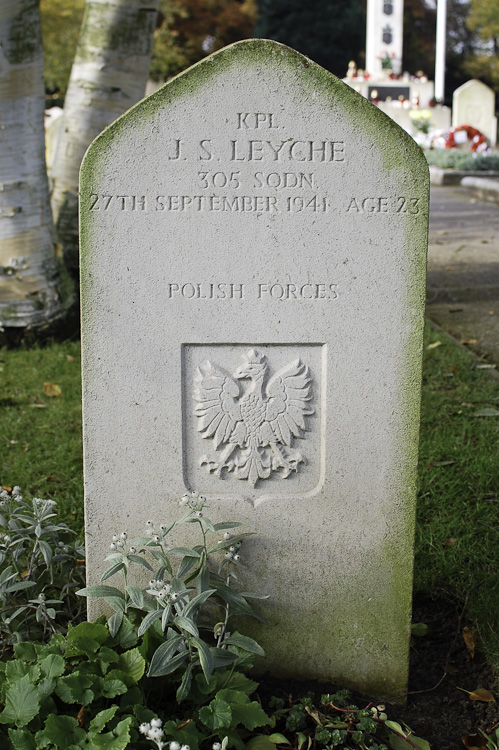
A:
(252, 71)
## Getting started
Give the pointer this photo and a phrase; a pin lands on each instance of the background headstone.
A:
(256, 222)
(473, 104)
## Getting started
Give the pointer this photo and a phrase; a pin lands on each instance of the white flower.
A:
(148, 532)
(115, 538)
(228, 555)
(232, 548)
(217, 746)
(149, 523)
(199, 513)
(124, 535)
(185, 747)
(167, 587)
(133, 550)
(156, 722)
(174, 745)
(144, 728)
(226, 535)
(174, 596)
(162, 526)
(184, 500)
(237, 557)
(155, 733)
(156, 538)
(120, 544)
(113, 546)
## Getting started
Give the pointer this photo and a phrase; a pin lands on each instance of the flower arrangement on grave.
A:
(421, 119)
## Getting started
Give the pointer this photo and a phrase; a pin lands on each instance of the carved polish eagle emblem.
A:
(253, 428)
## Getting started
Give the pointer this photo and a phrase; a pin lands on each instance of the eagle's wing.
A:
(218, 412)
(288, 393)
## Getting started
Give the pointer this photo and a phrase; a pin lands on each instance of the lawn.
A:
(457, 551)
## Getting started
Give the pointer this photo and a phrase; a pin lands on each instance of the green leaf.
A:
(16, 669)
(75, 688)
(185, 624)
(226, 525)
(205, 657)
(136, 595)
(419, 629)
(279, 739)
(118, 739)
(186, 551)
(22, 739)
(187, 564)
(148, 621)
(112, 688)
(46, 552)
(398, 743)
(239, 681)
(250, 715)
(246, 643)
(167, 667)
(112, 571)
(53, 665)
(133, 664)
(197, 602)
(22, 703)
(140, 561)
(114, 622)
(185, 685)
(25, 651)
(127, 635)
(61, 731)
(101, 719)
(100, 591)
(216, 715)
(261, 742)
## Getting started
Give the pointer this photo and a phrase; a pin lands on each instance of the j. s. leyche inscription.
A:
(254, 429)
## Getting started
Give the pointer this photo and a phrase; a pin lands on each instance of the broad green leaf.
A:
(25, 651)
(61, 731)
(185, 624)
(101, 719)
(261, 742)
(22, 739)
(89, 630)
(246, 643)
(187, 564)
(250, 715)
(118, 739)
(114, 622)
(53, 665)
(11, 587)
(205, 657)
(239, 681)
(148, 621)
(133, 664)
(22, 703)
(112, 688)
(397, 742)
(16, 669)
(207, 524)
(216, 715)
(75, 688)
(165, 651)
(117, 603)
(127, 635)
(279, 739)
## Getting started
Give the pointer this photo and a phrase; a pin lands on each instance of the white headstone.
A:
(473, 104)
(256, 222)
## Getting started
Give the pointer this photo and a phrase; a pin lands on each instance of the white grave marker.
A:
(473, 104)
(253, 283)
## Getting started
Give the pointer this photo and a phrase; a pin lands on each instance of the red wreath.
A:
(474, 136)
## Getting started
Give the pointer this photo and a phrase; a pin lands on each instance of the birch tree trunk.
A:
(29, 271)
(108, 76)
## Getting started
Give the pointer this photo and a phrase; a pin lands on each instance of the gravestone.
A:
(473, 104)
(253, 244)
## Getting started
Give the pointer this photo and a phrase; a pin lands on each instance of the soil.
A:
(440, 664)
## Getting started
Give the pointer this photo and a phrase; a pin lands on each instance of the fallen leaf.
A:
(474, 742)
(70, 358)
(51, 389)
(419, 629)
(450, 542)
(5, 487)
(487, 412)
(468, 341)
(434, 345)
(470, 639)
(492, 312)
(445, 463)
(481, 694)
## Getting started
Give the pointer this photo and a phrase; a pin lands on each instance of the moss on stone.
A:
(24, 41)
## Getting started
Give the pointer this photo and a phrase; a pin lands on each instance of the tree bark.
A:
(29, 270)
(108, 76)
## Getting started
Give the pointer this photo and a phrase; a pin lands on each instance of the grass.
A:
(457, 550)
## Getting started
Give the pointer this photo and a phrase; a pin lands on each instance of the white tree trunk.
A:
(29, 271)
(108, 76)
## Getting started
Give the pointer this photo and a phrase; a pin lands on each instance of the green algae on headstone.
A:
(257, 223)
